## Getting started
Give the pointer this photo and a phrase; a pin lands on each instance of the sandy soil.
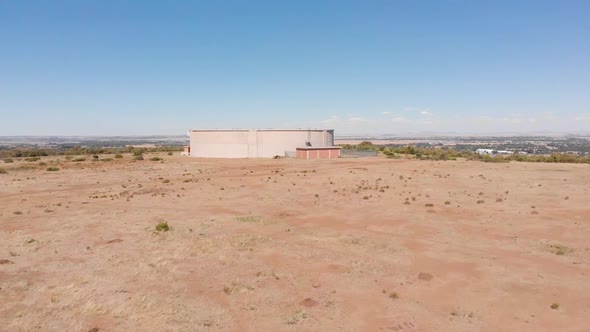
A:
(272, 245)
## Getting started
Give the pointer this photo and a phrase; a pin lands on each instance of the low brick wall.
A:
(318, 152)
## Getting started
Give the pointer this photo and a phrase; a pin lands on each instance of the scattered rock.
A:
(5, 261)
(309, 302)
(425, 276)
(115, 241)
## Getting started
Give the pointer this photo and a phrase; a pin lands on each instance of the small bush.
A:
(155, 159)
(140, 157)
(118, 156)
(2, 171)
(79, 159)
(393, 296)
(249, 219)
(52, 169)
(95, 157)
(42, 163)
(560, 250)
(32, 159)
(107, 159)
(163, 226)
(8, 160)
(555, 306)
(170, 153)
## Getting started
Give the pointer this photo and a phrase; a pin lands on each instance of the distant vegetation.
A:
(31, 153)
(447, 153)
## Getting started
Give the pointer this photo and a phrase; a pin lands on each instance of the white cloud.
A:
(399, 119)
(357, 119)
(385, 113)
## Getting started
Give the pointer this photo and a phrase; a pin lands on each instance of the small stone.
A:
(425, 276)
(309, 302)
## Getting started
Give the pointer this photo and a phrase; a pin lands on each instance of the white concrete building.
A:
(256, 143)
(484, 151)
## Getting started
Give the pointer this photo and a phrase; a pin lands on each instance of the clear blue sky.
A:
(162, 67)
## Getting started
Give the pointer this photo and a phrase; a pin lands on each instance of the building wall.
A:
(254, 143)
(310, 153)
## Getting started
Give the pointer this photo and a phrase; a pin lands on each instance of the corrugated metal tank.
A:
(256, 143)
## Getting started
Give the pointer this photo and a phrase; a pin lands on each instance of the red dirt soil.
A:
(269, 245)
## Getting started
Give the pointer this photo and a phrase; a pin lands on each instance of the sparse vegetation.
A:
(138, 157)
(560, 250)
(162, 227)
(32, 159)
(3, 171)
(393, 295)
(52, 169)
(118, 156)
(8, 160)
(249, 219)
(555, 306)
(296, 318)
(79, 159)
(156, 159)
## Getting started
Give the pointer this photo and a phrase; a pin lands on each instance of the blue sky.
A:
(405, 66)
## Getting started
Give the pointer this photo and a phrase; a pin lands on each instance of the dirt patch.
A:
(301, 251)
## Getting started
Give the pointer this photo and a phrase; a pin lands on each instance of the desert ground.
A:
(291, 245)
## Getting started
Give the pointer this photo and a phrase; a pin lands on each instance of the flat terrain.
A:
(271, 245)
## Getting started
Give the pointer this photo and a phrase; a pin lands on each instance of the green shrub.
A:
(2, 171)
(52, 169)
(95, 157)
(32, 159)
(170, 153)
(79, 159)
(106, 159)
(140, 157)
(163, 226)
(42, 163)
(8, 160)
(118, 156)
(155, 159)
